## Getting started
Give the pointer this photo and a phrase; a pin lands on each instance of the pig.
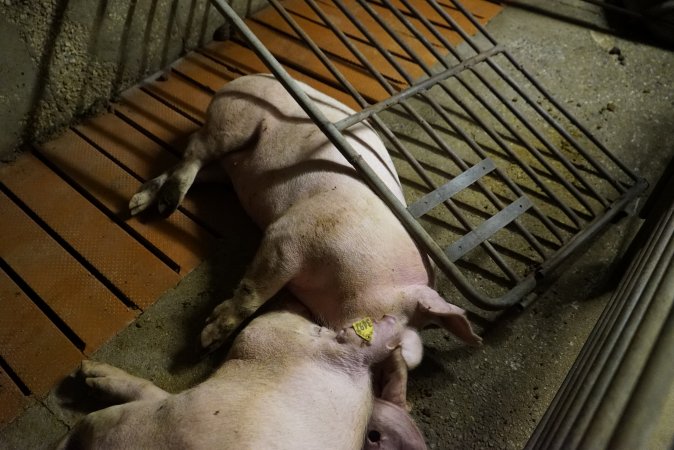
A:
(287, 383)
(391, 428)
(327, 237)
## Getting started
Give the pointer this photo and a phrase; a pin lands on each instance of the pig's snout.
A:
(392, 428)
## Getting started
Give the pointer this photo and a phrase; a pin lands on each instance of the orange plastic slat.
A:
(200, 69)
(483, 10)
(147, 159)
(299, 7)
(130, 267)
(181, 95)
(138, 153)
(203, 70)
(87, 307)
(242, 58)
(178, 237)
(12, 400)
(294, 52)
(330, 43)
(427, 11)
(397, 26)
(163, 122)
(30, 343)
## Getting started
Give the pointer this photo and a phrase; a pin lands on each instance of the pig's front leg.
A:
(118, 384)
(276, 262)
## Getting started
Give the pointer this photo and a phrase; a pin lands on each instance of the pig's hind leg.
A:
(277, 261)
(168, 189)
(118, 384)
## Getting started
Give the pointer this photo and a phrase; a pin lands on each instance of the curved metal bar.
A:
(511, 297)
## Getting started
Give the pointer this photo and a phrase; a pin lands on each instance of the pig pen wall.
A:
(63, 60)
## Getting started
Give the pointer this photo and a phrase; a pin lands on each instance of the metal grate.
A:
(503, 183)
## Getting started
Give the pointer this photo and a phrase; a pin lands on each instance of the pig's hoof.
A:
(93, 369)
(215, 334)
(222, 322)
(170, 197)
(146, 195)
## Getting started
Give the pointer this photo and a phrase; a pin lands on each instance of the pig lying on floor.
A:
(327, 236)
(287, 383)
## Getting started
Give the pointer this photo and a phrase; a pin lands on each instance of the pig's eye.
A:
(373, 436)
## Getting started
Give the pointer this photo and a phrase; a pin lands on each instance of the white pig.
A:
(287, 383)
(392, 428)
(327, 236)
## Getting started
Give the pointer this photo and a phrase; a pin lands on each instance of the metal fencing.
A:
(502, 182)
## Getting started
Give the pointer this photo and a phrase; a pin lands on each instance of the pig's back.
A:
(294, 405)
(290, 158)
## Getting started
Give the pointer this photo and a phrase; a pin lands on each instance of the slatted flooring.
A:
(75, 269)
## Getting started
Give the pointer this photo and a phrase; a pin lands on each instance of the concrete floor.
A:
(70, 57)
(463, 398)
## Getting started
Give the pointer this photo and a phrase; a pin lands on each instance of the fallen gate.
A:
(504, 183)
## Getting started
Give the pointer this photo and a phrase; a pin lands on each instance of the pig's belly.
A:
(282, 169)
(354, 249)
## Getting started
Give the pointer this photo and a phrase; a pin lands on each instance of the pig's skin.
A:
(287, 384)
(328, 237)
(391, 428)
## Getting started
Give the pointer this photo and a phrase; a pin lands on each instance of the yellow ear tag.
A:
(364, 328)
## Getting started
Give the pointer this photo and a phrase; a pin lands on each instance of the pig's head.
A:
(285, 331)
(288, 331)
(371, 341)
(392, 428)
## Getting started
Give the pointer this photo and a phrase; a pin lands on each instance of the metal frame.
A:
(478, 78)
(616, 393)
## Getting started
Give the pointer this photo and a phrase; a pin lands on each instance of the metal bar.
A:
(570, 214)
(402, 44)
(346, 12)
(428, 129)
(549, 97)
(579, 415)
(531, 239)
(456, 184)
(431, 132)
(355, 93)
(415, 229)
(318, 52)
(646, 409)
(517, 114)
(513, 295)
(588, 364)
(593, 228)
(580, 127)
(414, 89)
(487, 228)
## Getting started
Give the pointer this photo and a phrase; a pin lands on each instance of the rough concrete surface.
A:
(63, 60)
(488, 397)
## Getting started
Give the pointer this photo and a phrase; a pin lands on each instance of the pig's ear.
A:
(434, 309)
(412, 348)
